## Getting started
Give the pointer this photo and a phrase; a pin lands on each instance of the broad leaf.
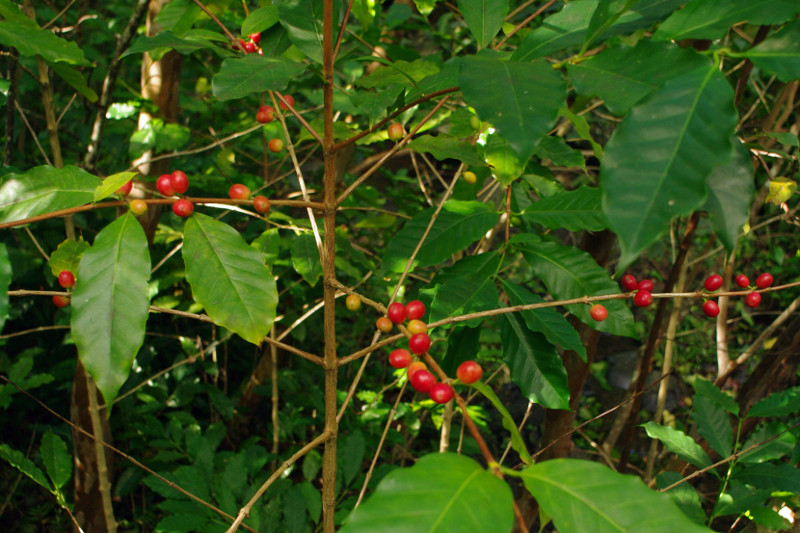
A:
(506, 164)
(785, 402)
(517, 442)
(587, 497)
(463, 344)
(112, 183)
(444, 147)
(730, 190)
(738, 499)
(571, 273)
(228, 278)
(622, 76)
(780, 477)
(441, 493)
(23, 464)
(5, 283)
(375, 103)
(521, 100)
(110, 303)
(573, 210)
(57, 460)
(558, 152)
(782, 444)
(684, 496)
(458, 225)
(44, 189)
(466, 287)
(259, 20)
(484, 18)
(302, 20)
(546, 321)
(780, 53)
(405, 73)
(603, 18)
(167, 40)
(305, 257)
(713, 424)
(30, 41)
(679, 443)
(707, 389)
(68, 256)
(535, 364)
(656, 164)
(239, 77)
(74, 78)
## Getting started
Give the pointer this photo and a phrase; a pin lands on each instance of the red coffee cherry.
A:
(422, 380)
(384, 324)
(415, 309)
(261, 204)
(239, 191)
(66, 279)
(646, 285)
(441, 393)
(419, 343)
(60, 300)
(710, 308)
(164, 185)
(183, 208)
(713, 282)
(752, 299)
(125, 190)
(629, 282)
(415, 367)
(598, 312)
(469, 372)
(396, 312)
(764, 280)
(400, 358)
(742, 281)
(180, 183)
(643, 298)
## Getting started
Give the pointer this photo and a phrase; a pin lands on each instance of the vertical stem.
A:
(328, 273)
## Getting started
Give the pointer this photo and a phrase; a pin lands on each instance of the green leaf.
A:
(738, 499)
(459, 224)
(559, 153)
(713, 424)
(701, 19)
(444, 147)
(302, 20)
(111, 184)
(521, 100)
(44, 189)
(707, 389)
(31, 41)
(259, 20)
(622, 76)
(573, 210)
(239, 77)
(684, 496)
(228, 278)
(24, 465)
(68, 256)
(730, 190)
(352, 453)
(656, 164)
(587, 497)
(534, 363)
(463, 344)
(780, 53)
(466, 287)
(603, 18)
(770, 519)
(405, 73)
(305, 258)
(571, 273)
(75, 79)
(785, 402)
(13, 13)
(678, 443)
(780, 477)
(506, 165)
(374, 103)
(110, 303)
(546, 321)
(484, 18)
(57, 460)
(517, 442)
(5, 283)
(440, 493)
(781, 445)
(169, 41)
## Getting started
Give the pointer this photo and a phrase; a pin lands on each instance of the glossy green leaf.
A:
(444, 147)
(110, 303)
(506, 164)
(520, 100)
(684, 496)
(484, 18)
(535, 364)
(44, 189)
(707, 389)
(67, 256)
(657, 162)
(13, 13)
(547, 321)
(730, 190)
(169, 41)
(769, 519)
(704, 19)
(783, 443)
(679, 443)
(74, 78)
(239, 77)
(31, 41)
(406, 73)
(573, 210)
(466, 287)
(571, 273)
(713, 424)
(568, 27)
(587, 497)
(785, 402)
(517, 442)
(738, 499)
(112, 183)
(458, 225)
(57, 460)
(582, 128)
(302, 20)
(5, 283)
(622, 76)
(228, 278)
(259, 20)
(603, 18)
(373, 104)
(768, 476)
(23, 464)
(463, 344)
(441, 493)
(556, 150)
(779, 54)
(305, 258)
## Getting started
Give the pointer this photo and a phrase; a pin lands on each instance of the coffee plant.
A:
(319, 265)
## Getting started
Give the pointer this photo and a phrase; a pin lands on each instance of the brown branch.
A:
(523, 24)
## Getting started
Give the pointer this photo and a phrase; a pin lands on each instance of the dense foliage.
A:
(215, 365)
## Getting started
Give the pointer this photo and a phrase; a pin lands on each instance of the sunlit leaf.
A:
(679, 443)
(239, 77)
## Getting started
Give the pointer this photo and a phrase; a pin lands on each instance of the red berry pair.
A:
(172, 184)
(67, 280)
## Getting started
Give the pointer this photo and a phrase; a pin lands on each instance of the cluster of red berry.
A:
(252, 45)
(67, 280)
(417, 371)
(266, 114)
(752, 299)
(239, 191)
(169, 185)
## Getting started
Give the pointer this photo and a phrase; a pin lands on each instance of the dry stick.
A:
(342, 197)
(33, 330)
(519, 428)
(380, 445)
(783, 317)
(342, 28)
(121, 453)
(244, 512)
(520, 8)
(523, 24)
(299, 117)
(33, 133)
(36, 243)
(276, 428)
